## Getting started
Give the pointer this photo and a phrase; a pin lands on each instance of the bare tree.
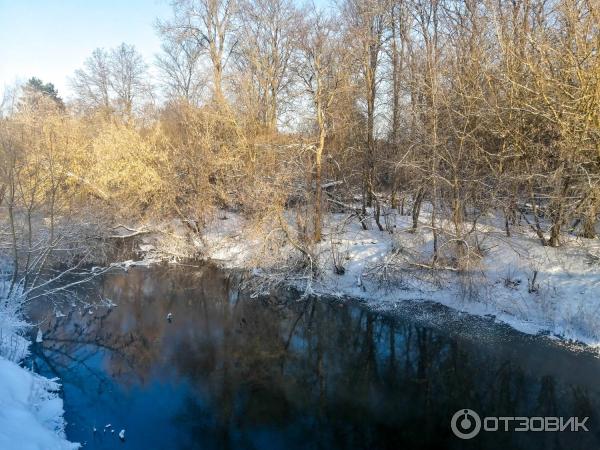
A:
(92, 83)
(181, 72)
(266, 43)
(367, 22)
(209, 23)
(399, 45)
(323, 71)
(127, 77)
(112, 81)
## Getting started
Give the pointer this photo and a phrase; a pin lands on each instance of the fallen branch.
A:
(134, 232)
(430, 267)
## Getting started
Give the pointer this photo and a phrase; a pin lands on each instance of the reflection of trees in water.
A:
(69, 350)
(323, 373)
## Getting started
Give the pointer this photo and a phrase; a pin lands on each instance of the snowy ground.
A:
(31, 411)
(517, 280)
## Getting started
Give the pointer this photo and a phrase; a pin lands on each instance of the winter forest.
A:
(384, 150)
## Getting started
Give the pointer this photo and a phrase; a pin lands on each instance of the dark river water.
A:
(229, 371)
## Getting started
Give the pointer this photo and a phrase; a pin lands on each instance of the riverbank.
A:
(32, 410)
(516, 280)
(298, 371)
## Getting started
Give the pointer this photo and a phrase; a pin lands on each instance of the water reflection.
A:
(234, 372)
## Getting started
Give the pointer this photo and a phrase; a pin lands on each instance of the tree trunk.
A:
(13, 233)
(318, 175)
(589, 226)
(416, 209)
(557, 214)
(537, 228)
(589, 221)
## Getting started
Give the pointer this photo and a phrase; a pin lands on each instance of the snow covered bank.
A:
(31, 411)
(517, 280)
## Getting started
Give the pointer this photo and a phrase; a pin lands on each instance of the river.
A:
(281, 372)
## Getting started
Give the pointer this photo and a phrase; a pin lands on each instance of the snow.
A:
(31, 410)
(518, 281)
(12, 344)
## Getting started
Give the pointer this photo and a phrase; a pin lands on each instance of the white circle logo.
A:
(465, 423)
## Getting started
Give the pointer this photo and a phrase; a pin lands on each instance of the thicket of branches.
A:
(469, 107)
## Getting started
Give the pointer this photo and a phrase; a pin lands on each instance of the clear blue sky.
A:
(49, 39)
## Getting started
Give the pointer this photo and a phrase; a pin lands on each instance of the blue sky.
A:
(51, 38)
